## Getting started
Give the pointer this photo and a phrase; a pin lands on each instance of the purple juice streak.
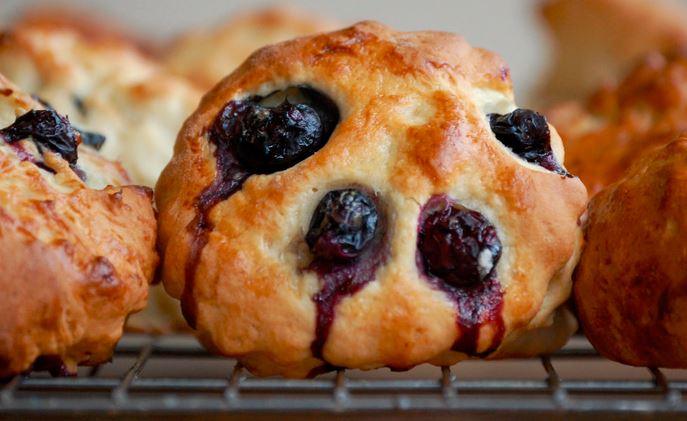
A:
(340, 280)
(322, 369)
(476, 305)
(228, 131)
(230, 177)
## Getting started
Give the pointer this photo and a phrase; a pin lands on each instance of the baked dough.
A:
(598, 41)
(78, 249)
(96, 27)
(104, 85)
(605, 135)
(205, 56)
(413, 136)
(630, 285)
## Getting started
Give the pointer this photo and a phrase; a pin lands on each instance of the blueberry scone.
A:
(369, 198)
(130, 104)
(77, 249)
(205, 56)
(598, 41)
(630, 285)
(606, 134)
(104, 85)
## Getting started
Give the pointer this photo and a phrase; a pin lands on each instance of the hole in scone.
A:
(527, 134)
(347, 239)
(458, 250)
(273, 133)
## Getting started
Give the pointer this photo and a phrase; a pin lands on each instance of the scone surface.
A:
(630, 285)
(413, 126)
(78, 250)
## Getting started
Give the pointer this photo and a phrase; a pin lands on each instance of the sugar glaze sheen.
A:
(412, 126)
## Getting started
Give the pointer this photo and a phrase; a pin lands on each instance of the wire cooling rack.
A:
(173, 375)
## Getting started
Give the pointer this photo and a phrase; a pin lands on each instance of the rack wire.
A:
(173, 374)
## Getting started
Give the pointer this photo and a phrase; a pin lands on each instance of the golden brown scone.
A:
(205, 56)
(104, 85)
(598, 41)
(631, 285)
(617, 125)
(315, 260)
(78, 248)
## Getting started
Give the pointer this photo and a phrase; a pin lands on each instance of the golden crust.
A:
(76, 261)
(103, 85)
(598, 41)
(617, 125)
(205, 56)
(413, 123)
(630, 285)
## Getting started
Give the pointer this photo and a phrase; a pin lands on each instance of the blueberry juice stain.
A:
(347, 237)
(457, 252)
(229, 179)
(256, 135)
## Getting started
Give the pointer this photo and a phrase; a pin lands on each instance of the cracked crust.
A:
(413, 124)
(77, 256)
(630, 285)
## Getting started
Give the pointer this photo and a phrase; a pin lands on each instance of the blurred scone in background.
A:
(509, 28)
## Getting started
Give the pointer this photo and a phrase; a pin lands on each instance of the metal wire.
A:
(139, 386)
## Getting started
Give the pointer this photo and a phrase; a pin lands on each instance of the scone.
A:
(617, 125)
(369, 198)
(95, 27)
(631, 284)
(77, 248)
(599, 41)
(207, 55)
(104, 85)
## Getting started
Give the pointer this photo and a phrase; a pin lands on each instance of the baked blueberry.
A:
(343, 224)
(276, 132)
(526, 133)
(458, 245)
(92, 139)
(47, 129)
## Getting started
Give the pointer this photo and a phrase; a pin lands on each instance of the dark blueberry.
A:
(47, 129)
(526, 133)
(276, 132)
(458, 245)
(92, 139)
(342, 226)
(79, 104)
(52, 364)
